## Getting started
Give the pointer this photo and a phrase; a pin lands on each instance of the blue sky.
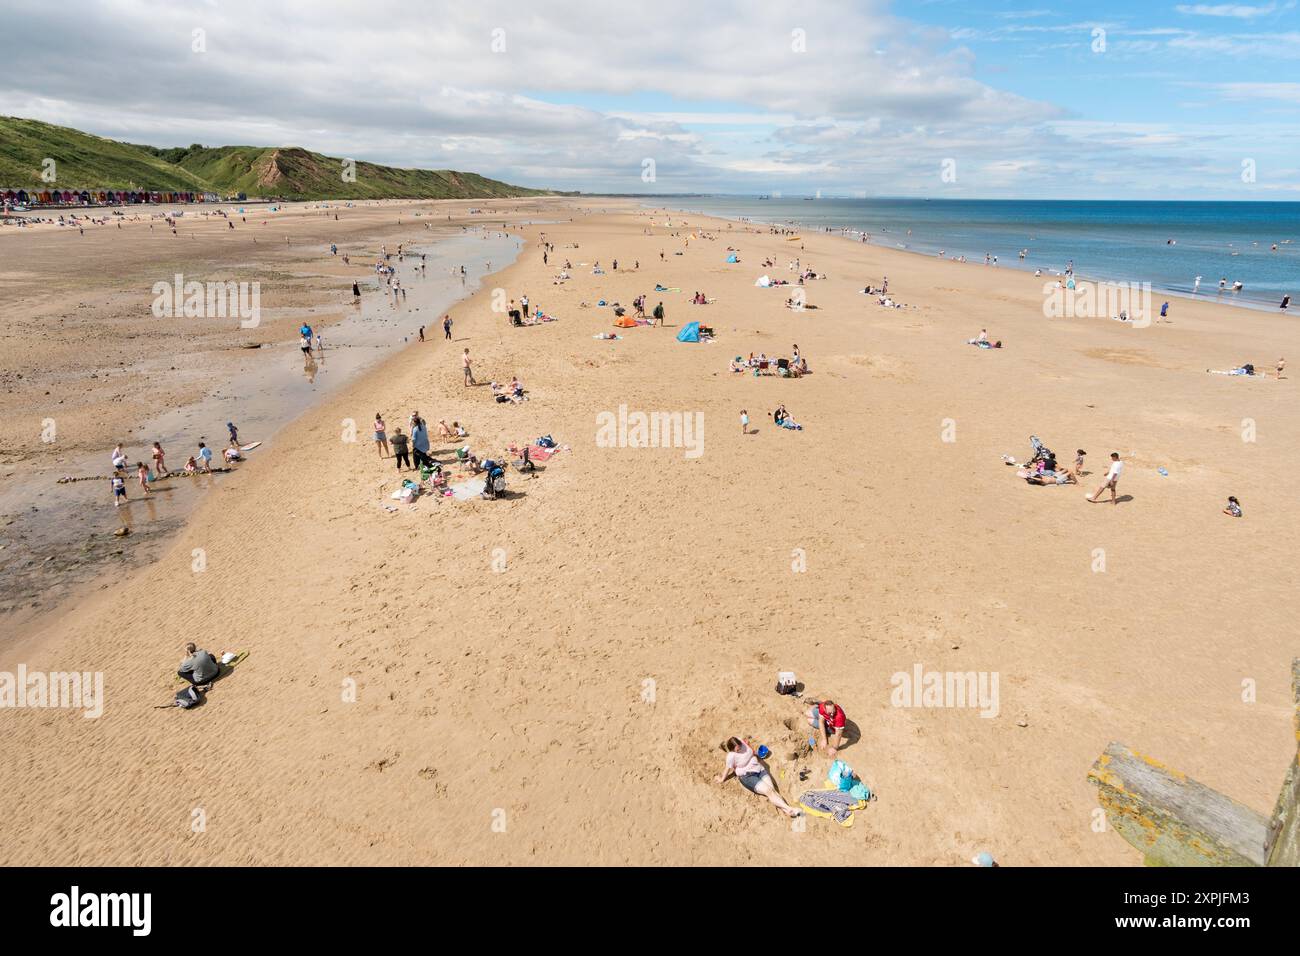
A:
(924, 98)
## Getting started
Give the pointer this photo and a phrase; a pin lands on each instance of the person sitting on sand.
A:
(1052, 477)
(525, 464)
(1233, 510)
(829, 720)
(444, 431)
(200, 668)
(782, 418)
(233, 453)
(459, 429)
(739, 365)
(744, 765)
(191, 466)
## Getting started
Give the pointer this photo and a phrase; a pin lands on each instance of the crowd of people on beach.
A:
(198, 463)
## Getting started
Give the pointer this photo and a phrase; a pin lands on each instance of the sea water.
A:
(1167, 244)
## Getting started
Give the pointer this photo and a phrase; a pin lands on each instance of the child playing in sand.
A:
(1233, 510)
(142, 475)
(119, 490)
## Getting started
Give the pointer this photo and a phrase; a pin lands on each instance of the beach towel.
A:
(834, 805)
(467, 489)
(538, 453)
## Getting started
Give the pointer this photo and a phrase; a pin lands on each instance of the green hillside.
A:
(297, 173)
(84, 161)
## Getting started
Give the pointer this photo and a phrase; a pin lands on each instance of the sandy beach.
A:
(546, 678)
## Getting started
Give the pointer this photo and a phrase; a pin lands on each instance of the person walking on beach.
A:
(119, 489)
(400, 452)
(446, 327)
(234, 433)
(356, 291)
(159, 468)
(381, 436)
(205, 456)
(744, 422)
(142, 475)
(523, 305)
(469, 372)
(659, 313)
(1112, 479)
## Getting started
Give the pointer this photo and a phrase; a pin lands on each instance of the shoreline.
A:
(49, 546)
(1226, 297)
(525, 690)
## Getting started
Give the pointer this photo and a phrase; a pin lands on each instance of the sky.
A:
(1141, 99)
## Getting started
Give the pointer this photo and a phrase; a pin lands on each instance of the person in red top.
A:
(828, 719)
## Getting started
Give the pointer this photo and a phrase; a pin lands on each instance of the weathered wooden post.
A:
(1176, 821)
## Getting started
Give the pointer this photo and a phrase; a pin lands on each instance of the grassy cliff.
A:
(85, 161)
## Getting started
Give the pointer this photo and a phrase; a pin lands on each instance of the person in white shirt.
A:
(1112, 479)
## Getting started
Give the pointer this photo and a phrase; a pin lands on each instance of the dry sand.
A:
(568, 709)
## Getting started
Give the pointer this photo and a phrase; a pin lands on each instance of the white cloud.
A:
(716, 93)
(1240, 11)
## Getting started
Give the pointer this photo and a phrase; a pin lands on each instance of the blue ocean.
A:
(1167, 244)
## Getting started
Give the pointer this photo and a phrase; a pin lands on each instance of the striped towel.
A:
(833, 803)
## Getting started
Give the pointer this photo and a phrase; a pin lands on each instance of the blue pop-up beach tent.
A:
(732, 258)
(689, 333)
